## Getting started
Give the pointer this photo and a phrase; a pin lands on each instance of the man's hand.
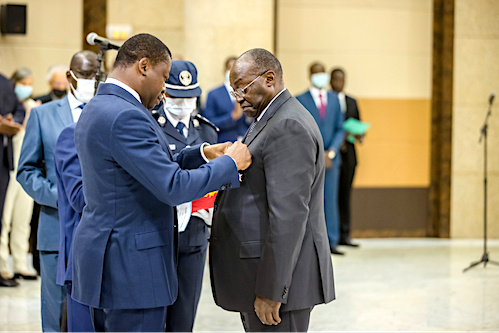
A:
(267, 311)
(237, 113)
(328, 163)
(8, 126)
(213, 151)
(240, 154)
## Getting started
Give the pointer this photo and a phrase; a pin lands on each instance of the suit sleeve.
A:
(216, 113)
(289, 157)
(69, 169)
(135, 148)
(339, 132)
(30, 172)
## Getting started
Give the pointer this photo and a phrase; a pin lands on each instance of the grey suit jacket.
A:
(269, 236)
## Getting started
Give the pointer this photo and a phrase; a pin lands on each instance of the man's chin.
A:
(250, 112)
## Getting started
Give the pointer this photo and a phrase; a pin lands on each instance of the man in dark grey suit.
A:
(269, 252)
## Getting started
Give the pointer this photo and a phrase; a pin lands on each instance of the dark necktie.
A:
(180, 128)
(81, 106)
(250, 129)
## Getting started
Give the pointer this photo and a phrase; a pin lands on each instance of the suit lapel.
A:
(172, 132)
(64, 112)
(311, 107)
(250, 136)
(192, 134)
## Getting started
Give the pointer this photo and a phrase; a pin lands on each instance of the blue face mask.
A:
(320, 80)
(22, 91)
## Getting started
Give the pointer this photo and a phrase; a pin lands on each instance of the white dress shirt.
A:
(314, 91)
(74, 105)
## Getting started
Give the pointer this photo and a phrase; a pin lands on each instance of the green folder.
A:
(355, 127)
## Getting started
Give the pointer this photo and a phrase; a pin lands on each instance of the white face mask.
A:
(85, 89)
(179, 107)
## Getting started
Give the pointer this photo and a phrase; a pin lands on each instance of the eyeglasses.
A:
(240, 92)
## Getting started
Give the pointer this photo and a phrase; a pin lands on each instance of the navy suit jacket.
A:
(331, 127)
(36, 170)
(9, 104)
(219, 109)
(124, 251)
(70, 197)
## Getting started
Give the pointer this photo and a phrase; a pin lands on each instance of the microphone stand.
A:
(103, 47)
(483, 134)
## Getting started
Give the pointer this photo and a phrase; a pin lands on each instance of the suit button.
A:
(223, 187)
(285, 292)
(215, 208)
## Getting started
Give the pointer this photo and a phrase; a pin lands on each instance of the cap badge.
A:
(185, 78)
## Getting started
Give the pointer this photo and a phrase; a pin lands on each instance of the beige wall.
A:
(476, 75)
(385, 47)
(54, 29)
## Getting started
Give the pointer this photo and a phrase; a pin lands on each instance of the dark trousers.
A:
(78, 314)
(291, 321)
(33, 238)
(347, 172)
(193, 243)
(4, 182)
(128, 320)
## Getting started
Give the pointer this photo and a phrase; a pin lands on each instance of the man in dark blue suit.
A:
(70, 203)
(124, 249)
(325, 108)
(222, 109)
(11, 116)
(181, 130)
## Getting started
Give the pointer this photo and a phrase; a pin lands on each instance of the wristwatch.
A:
(331, 154)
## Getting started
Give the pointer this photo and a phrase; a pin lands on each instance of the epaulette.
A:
(200, 119)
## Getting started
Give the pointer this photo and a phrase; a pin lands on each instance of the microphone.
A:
(105, 44)
(491, 98)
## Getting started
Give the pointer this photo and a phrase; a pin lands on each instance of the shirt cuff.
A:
(202, 152)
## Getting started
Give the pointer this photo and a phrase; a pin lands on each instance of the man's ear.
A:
(270, 78)
(144, 66)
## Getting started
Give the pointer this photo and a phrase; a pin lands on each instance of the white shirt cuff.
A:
(202, 152)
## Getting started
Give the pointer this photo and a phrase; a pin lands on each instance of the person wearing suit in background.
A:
(58, 83)
(11, 117)
(71, 201)
(36, 174)
(18, 205)
(325, 108)
(124, 249)
(348, 157)
(221, 108)
(181, 130)
(269, 254)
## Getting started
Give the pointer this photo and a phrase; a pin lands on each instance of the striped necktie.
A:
(180, 128)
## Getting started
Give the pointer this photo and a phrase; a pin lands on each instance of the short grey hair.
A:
(53, 69)
(20, 74)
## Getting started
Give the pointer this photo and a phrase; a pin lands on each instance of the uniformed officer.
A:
(182, 129)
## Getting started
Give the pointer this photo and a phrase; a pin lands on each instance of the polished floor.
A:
(385, 285)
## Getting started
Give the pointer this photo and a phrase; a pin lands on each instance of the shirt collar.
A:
(174, 122)
(229, 89)
(268, 105)
(73, 102)
(315, 91)
(124, 86)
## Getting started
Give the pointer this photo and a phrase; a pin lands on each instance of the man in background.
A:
(11, 117)
(269, 255)
(325, 108)
(348, 156)
(36, 174)
(222, 109)
(56, 78)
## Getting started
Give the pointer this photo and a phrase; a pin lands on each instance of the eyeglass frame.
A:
(236, 93)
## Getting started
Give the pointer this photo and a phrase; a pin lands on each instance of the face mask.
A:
(22, 91)
(85, 89)
(59, 93)
(179, 107)
(320, 79)
(227, 76)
